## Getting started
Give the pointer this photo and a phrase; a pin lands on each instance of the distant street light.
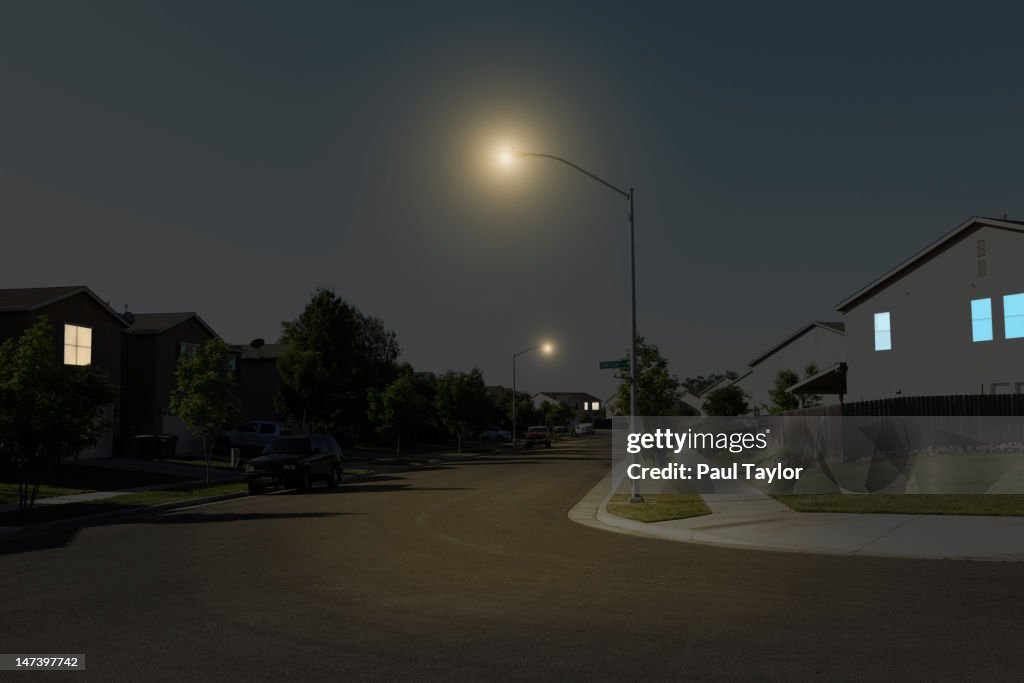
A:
(505, 157)
(545, 348)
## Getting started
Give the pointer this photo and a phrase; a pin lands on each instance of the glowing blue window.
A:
(981, 320)
(883, 332)
(1013, 315)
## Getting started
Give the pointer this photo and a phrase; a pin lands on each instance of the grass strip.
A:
(128, 501)
(989, 504)
(659, 507)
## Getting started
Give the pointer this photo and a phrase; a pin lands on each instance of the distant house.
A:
(818, 343)
(587, 407)
(259, 382)
(86, 332)
(947, 321)
(154, 343)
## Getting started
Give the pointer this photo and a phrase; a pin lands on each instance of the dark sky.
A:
(228, 158)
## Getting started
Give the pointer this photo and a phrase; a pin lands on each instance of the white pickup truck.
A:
(252, 436)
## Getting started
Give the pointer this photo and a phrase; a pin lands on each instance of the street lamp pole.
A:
(635, 496)
(514, 356)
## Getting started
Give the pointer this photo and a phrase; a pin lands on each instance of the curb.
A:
(591, 511)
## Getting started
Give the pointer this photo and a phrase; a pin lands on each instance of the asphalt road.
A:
(474, 572)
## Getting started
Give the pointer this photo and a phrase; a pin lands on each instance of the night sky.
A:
(228, 158)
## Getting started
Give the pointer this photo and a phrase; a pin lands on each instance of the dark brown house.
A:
(154, 343)
(86, 332)
(259, 381)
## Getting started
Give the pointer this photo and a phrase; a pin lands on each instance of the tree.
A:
(463, 403)
(783, 400)
(657, 391)
(48, 410)
(335, 356)
(730, 400)
(696, 385)
(203, 398)
(558, 414)
(406, 403)
(526, 412)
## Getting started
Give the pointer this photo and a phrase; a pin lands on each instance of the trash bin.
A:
(156, 446)
(145, 446)
(168, 445)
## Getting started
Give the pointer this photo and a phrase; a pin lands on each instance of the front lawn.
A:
(128, 501)
(993, 504)
(69, 479)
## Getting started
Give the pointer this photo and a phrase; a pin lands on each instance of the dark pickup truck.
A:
(295, 462)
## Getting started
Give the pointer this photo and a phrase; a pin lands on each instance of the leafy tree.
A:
(730, 400)
(336, 355)
(657, 390)
(783, 400)
(203, 398)
(526, 412)
(406, 404)
(463, 403)
(48, 410)
(695, 385)
(558, 414)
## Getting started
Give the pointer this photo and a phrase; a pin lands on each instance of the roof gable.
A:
(836, 327)
(960, 232)
(34, 298)
(157, 323)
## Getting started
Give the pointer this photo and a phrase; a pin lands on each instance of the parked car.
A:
(538, 435)
(560, 430)
(295, 462)
(495, 434)
(251, 437)
(584, 428)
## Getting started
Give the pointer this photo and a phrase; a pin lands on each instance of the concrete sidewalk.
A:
(750, 519)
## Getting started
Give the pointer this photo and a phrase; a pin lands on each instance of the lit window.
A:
(77, 345)
(883, 332)
(1013, 315)
(594, 406)
(981, 320)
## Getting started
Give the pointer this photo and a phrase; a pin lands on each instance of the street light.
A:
(505, 157)
(545, 348)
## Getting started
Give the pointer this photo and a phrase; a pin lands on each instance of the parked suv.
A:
(295, 462)
(535, 436)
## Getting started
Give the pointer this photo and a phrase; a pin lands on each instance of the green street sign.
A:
(608, 364)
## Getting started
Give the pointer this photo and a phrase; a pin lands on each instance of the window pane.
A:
(70, 336)
(85, 337)
(883, 332)
(1013, 315)
(69, 355)
(84, 356)
(981, 320)
(595, 406)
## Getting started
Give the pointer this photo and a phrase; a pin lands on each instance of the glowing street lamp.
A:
(506, 157)
(547, 349)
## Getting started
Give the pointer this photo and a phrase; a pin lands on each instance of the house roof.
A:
(829, 381)
(568, 396)
(838, 328)
(952, 237)
(267, 351)
(157, 323)
(34, 298)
